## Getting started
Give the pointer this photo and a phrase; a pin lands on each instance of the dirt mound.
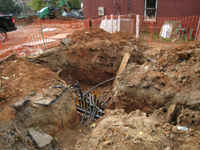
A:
(90, 34)
(64, 18)
(170, 76)
(29, 20)
(94, 55)
(25, 21)
(32, 96)
(136, 131)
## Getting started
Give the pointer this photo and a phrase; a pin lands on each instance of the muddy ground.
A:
(156, 93)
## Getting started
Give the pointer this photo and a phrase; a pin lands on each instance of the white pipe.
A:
(118, 25)
(111, 23)
(137, 26)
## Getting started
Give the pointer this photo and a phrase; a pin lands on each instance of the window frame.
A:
(147, 18)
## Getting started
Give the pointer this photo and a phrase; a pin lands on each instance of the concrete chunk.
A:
(42, 139)
(66, 41)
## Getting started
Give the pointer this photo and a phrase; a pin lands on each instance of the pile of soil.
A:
(163, 83)
(64, 18)
(136, 131)
(93, 56)
(90, 34)
(30, 96)
(25, 21)
(29, 20)
(168, 76)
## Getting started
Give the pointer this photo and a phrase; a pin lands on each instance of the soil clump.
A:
(167, 77)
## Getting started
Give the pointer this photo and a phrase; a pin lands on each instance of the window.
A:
(150, 8)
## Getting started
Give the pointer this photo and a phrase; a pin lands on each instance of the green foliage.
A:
(37, 4)
(27, 7)
(75, 4)
(8, 6)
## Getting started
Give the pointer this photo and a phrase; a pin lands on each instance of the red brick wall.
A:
(166, 8)
(90, 7)
(137, 7)
(178, 8)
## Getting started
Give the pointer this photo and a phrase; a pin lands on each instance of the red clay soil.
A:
(29, 20)
(19, 78)
(91, 34)
(25, 21)
(96, 54)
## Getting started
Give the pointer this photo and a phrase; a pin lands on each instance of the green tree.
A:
(75, 4)
(8, 6)
(37, 4)
(27, 8)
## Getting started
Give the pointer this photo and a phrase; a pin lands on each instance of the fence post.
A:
(118, 25)
(137, 26)
(42, 34)
(106, 23)
(111, 23)
(198, 31)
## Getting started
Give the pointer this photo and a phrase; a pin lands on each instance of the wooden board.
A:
(122, 66)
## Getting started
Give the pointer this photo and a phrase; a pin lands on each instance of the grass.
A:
(156, 38)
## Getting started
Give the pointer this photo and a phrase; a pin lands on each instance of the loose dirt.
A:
(29, 20)
(156, 93)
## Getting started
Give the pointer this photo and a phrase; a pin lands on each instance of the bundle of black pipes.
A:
(89, 106)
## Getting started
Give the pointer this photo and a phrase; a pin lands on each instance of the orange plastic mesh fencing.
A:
(111, 24)
(30, 40)
(173, 30)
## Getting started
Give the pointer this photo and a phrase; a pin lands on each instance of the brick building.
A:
(151, 8)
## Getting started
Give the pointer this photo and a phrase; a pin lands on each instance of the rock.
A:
(45, 102)
(66, 41)
(42, 139)
(21, 103)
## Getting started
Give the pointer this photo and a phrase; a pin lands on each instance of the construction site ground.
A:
(153, 104)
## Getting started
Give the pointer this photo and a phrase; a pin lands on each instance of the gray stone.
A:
(42, 139)
(21, 103)
(45, 102)
(66, 41)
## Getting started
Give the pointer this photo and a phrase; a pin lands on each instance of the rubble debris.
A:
(47, 102)
(94, 56)
(118, 130)
(21, 103)
(168, 78)
(163, 83)
(182, 128)
(33, 83)
(66, 42)
(42, 139)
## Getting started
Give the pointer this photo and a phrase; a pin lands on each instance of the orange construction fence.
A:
(38, 36)
(172, 30)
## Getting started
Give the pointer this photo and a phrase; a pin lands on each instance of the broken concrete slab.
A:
(21, 103)
(66, 41)
(42, 139)
(45, 102)
(49, 101)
